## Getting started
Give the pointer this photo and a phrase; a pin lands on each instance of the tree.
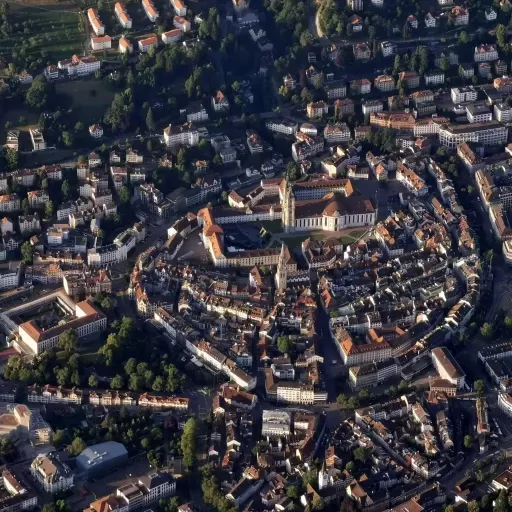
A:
(306, 38)
(67, 341)
(501, 36)
(361, 453)
(473, 506)
(305, 95)
(479, 388)
(468, 441)
(502, 504)
(124, 195)
(150, 121)
(93, 381)
(444, 64)
(318, 502)
(8, 450)
(77, 446)
(284, 344)
(48, 209)
(117, 382)
(67, 138)
(79, 127)
(293, 492)
(38, 92)
(12, 159)
(65, 189)
(136, 382)
(293, 171)
(27, 253)
(487, 330)
(158, 384)
(350, 467)
(107, 305)
(364, 394)
(397, 66)
(60, 438)
(188, 442)
(464, 37)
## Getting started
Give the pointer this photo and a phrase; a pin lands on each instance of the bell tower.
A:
(282, 271)
(288, 208)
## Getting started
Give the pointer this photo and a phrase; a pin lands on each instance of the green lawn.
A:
(272, 226)
(35, 30)
(352, 237)
(88, 98)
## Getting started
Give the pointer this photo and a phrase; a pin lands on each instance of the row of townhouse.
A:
(49, 394)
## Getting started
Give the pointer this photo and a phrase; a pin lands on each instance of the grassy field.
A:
(352, 237)
(88, 98)
(51, 29)
(294, 242)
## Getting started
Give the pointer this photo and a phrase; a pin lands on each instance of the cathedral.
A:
(315, 205)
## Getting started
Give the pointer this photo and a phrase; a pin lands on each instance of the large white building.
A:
(95, 21)
(181, 135)
(52, 475)
(447, 367)
(463, 94)
(107, 255)
(88, 320)
(487, 133)
(276, 423)
(77, 66)
(122, 15)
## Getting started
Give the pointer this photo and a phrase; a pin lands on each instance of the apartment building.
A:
(172, 36)
(503, 112)
(411, 180)
(276, 423)
(447, 367)
(147, 43)
(38, 142)
(124, 45)
(179, 7)
(411, 78)
(357, 354)
(385, 83)
(281, 125)
(463, 94)
(88, 320)
(434, 77)
(150, 10)
(181, 135)
(487, 133)
(362, 86)
(51, 474)
(344, 107)
(122, 15)
(10, 203)
(95, 21)
(317, 109)
(460, 16)
(37, 198)
(101, 43)
(478, 112)
(80, 65)
(29, 223)
(370, 106)
(181, 23)
(486, 52)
